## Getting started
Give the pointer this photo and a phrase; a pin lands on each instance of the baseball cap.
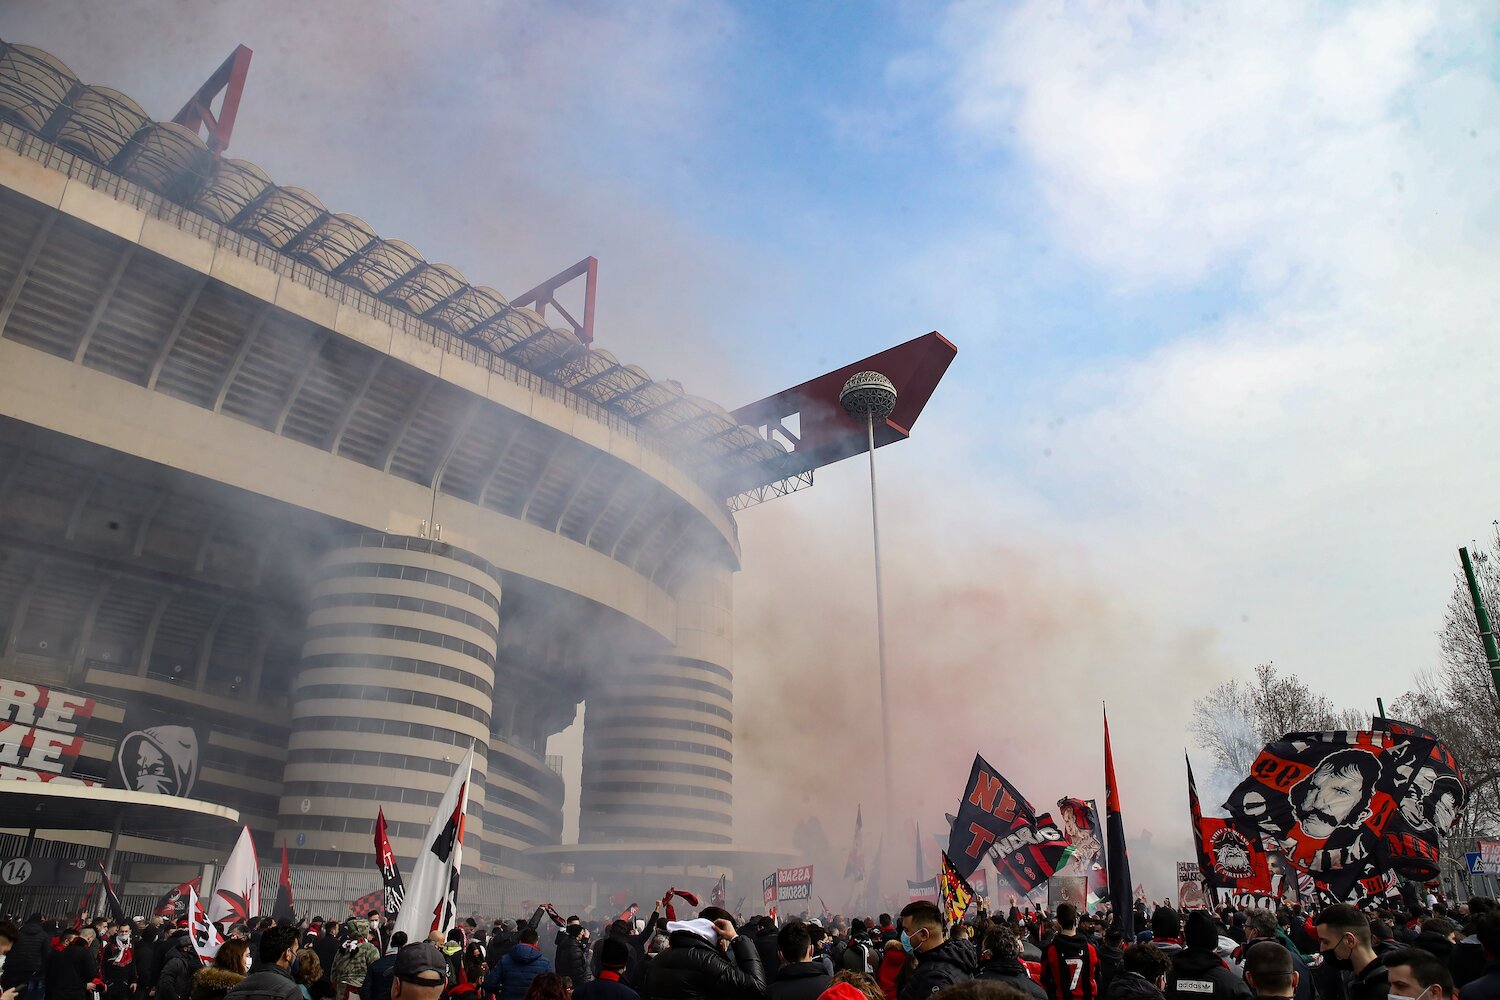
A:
(422, 964)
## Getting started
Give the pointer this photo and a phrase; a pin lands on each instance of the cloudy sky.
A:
(1221, 277)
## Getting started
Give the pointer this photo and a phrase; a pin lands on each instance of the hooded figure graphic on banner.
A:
(160, 759)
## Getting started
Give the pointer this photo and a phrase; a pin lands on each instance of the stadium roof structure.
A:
(745, 464)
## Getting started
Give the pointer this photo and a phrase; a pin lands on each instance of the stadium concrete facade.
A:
(268, 473)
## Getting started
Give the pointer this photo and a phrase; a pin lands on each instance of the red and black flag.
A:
(116, 909)
(1434, 793)
(1227, 858)
(1118, 857)
(716, 898)
(954, 891)
(994, 816)
(390, 875)
(370, 901)
(854, 868)
(282, 911)
(173, 902)
(85, 907)
(1328, 798)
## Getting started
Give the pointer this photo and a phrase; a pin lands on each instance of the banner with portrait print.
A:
(1431, 806)
(1328, 799)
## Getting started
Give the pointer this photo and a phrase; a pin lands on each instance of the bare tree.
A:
(1458, 702)
(1234, 720)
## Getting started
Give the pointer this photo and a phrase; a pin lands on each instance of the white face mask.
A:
(1419, 996)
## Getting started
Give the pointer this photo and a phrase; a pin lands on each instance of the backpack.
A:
(855, 957)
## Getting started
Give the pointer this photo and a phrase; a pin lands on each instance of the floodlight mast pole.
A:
(870, 394)
(1482, 618)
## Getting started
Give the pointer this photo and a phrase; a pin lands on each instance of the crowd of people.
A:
(1225, 953)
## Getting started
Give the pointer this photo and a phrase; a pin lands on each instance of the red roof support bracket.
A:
(545, 295)
(825, 433)
(197, 113)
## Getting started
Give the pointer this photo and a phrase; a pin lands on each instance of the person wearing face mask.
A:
(1350, 968)
(940, 962)
(1416, 975)
(118, 965)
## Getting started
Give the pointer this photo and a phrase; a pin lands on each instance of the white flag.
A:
(236, 897)
(432, 891)
(206, 937)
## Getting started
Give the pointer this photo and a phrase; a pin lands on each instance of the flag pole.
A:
(1482, 617)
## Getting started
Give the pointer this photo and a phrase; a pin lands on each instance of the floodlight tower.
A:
(869, 395)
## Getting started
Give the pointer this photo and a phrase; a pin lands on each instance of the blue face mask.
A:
(906, 943)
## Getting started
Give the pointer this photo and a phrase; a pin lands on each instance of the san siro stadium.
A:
(290, 518)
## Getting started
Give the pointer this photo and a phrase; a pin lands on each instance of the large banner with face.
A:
(1433, 802)
(1079, 819)
(41, 730)
(1328, 799)
(157, 753)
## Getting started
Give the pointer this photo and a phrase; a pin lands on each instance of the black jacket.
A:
(1486, 987)
(1198, 973)
(70, 972)
(1467, 961)
(1440, 946)
(572, 958)
(28, 956)
(1111, 962)
(770, 957)
(114, 972)
(950, 962)
(1370, 983)
(267, 982)
(1132, 986)
(1012, 973)
(605, 989)
(800, 981)
(148, 956)
(860, 954)
(693, 969)
(378, 979)
(500, 944)
(178, 968)
(326, 947)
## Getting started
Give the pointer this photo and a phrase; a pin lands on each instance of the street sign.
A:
(1472, 859)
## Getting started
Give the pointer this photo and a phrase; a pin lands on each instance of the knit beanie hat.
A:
(1166, 924)
(1202, 931)
(614, 953)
